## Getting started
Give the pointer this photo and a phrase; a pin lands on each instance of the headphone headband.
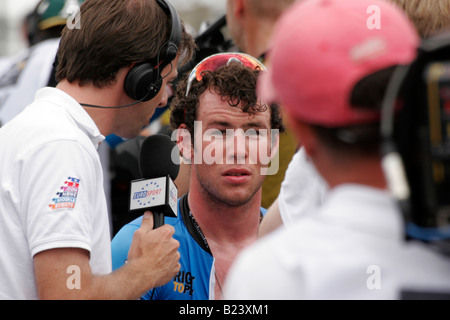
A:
(175, 34)
(143, 82)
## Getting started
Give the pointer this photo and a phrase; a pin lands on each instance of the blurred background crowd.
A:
(13, 13)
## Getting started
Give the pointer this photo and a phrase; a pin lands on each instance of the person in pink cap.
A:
(302, 188)
(329, 68)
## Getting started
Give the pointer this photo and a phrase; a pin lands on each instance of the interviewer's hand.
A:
(154, 253)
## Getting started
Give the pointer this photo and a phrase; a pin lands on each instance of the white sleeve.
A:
(260, 273)
(240, 283)
(57, 184)
(302, 189)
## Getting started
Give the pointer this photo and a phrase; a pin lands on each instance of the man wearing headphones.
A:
(55, 237)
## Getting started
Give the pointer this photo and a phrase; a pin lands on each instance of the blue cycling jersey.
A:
(196, 280)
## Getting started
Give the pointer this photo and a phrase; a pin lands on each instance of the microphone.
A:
(156, 190)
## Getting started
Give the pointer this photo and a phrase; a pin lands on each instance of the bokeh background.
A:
(196, 13)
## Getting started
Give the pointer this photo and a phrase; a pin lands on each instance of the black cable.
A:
(117, 107)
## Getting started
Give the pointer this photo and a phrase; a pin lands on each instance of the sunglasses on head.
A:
(214, 62)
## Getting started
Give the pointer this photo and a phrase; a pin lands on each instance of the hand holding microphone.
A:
(153, 254)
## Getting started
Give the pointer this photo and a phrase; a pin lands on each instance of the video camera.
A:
(420, 135)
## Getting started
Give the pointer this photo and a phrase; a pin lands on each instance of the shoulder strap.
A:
(191, 225)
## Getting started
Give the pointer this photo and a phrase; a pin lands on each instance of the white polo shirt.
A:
(353, 248)
(51, 190)
(302, 189)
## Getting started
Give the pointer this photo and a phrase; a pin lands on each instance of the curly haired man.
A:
(218, 117)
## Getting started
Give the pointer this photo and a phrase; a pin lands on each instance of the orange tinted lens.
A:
(214, 62)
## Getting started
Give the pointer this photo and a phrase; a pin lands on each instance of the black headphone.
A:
(143, 82)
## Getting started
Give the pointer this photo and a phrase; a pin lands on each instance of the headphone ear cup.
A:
(171, 51)
(142, 82)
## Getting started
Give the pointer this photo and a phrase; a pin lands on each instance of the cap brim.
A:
(51, 22)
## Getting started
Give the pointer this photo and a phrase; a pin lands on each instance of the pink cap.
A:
(322, 48)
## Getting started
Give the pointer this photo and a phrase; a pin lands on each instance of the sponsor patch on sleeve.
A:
(66, 197)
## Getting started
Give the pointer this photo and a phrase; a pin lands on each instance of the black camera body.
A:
(421, 135)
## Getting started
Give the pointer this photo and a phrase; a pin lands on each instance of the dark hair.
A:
(114, 34)
(235, 83)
